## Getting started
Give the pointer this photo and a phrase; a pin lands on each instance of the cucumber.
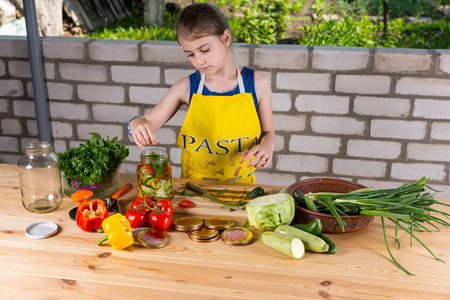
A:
(283, 243)
(312, 242)
(333, 248)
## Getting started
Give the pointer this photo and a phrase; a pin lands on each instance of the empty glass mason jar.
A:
(40, 178)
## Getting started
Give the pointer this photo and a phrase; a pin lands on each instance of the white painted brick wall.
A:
(367, 115)
(374, 149)
(337, 125)
(59, 91)
(424, 86)
(428, 152)
(2, 68)
(411, 130)
(414, 171)
(11, 88)
(11, 127)
(383, 107)
(295, 58)
(319, 82)
(333, 58)
(440, 131)
(281, 102)
(322, 104)
(432, 109)
(101, 93)
(135, 75)
(112, 50)
(403, 62)
(146, 95)
(302, 163)
(314, 144)
(363, 84)
(359, 168)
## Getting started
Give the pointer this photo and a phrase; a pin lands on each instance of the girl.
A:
(228, 130)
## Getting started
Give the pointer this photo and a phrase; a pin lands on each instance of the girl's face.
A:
(208, 54)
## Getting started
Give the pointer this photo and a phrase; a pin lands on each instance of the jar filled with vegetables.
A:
(154, 175)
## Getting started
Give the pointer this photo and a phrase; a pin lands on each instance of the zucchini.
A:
(283, 243)
(333, 248)
(312, 242)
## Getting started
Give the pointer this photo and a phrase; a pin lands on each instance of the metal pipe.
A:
(37, 71)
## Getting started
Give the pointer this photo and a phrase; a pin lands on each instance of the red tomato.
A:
(136, 217)
(139, 203)
(165, 206)
(160, 220)
(186, 204)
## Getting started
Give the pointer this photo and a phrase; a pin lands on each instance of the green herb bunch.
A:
(93, 161)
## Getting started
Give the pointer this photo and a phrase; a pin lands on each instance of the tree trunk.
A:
(385, 17)
(154, 12)
(49, 17)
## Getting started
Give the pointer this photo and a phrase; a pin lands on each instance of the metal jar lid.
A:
(213, 239)
(152, 238)
(237, 236)
(187, 223)
(203, 233)
(219, 223)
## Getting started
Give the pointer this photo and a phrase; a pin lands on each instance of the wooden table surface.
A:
(70, 265)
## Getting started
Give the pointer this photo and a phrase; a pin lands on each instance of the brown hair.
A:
(199, 20)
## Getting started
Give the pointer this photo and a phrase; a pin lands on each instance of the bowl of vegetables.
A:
(311, 196)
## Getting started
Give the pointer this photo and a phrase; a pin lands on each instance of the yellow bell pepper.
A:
(118, 230)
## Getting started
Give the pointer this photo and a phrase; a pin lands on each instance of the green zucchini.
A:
(333, 248)
(283, 243)
(312, 242)
(256, 192)
(314, 227)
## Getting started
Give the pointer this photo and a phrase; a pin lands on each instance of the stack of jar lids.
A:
(237, 236)
(187, 224)
(219, 223)
(204, 235)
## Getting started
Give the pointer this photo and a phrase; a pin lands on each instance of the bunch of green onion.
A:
(409, 207)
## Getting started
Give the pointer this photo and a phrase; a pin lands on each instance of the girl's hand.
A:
(262, 156)
(142, 133)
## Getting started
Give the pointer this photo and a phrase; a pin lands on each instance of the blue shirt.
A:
(248, 77)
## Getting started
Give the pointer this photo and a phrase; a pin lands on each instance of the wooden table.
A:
(70, 265)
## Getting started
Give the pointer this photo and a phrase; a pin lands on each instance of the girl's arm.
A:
(143, 130)
(263, 152)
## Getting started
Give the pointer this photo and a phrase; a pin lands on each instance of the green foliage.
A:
(354, 31)
(93, 161)
(346, 32)
(135, 28)
(263, 21)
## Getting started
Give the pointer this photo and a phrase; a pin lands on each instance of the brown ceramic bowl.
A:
(329, 222)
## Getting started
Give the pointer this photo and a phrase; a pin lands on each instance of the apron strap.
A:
(240, 83)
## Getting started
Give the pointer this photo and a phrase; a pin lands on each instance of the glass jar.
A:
(40, 178)
(154, 175)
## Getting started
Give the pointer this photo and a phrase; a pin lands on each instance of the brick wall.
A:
(375, 116)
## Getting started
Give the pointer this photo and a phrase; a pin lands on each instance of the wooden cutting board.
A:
(232, 194)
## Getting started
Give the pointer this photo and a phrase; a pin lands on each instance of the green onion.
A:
(409, 207)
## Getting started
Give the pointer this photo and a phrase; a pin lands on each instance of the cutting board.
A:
(230, 193)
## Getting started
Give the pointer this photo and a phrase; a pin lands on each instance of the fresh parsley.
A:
(93, 161)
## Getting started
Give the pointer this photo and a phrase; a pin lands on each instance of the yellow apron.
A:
(215, 133)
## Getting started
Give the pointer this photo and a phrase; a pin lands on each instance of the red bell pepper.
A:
(90, 214)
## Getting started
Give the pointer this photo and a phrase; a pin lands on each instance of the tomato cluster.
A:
(157, 214)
